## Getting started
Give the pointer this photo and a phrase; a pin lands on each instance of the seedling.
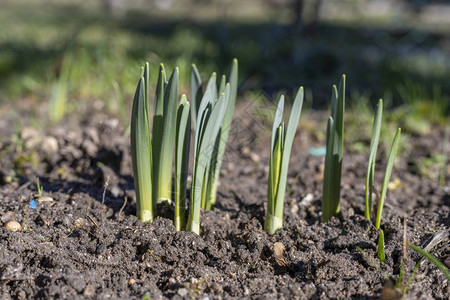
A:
(219, 144)
(40, 188)
(182, 146)
(279, 161)
(141, 152)
(372, 157)
(387, 176)
(164, 130)
(210, 116)
(60, 89)
(153, 182)
(381, 254)
(333, 158)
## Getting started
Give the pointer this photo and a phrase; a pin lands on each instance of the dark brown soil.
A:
(77, 245)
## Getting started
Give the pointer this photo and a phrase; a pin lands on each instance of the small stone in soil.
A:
(89, 291)
(100, 249)
(9, 216)
(13, 226)
(182, 292)
(131, 281)
(44, 199)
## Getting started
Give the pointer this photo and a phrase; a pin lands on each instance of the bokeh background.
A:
(91, 50)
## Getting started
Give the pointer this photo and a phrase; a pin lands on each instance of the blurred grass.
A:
(382, 57)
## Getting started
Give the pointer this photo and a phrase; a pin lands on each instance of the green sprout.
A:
(372, 157)
(279, 161)
(182, 146)
(164, 130)
(381, 254)
(220, 141)
(141, 151)
(60, 90)
(40, 188)
(210, 116)
(333, 158)
(387, 176)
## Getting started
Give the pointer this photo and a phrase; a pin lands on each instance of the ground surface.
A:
(74, 246)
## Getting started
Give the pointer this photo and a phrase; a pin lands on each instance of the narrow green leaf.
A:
(211, 86)
(431, 258)
(381, 254)
(182, 160)
(273, 222)
(141, 154)
(376, 128)
(387, 176)
(225, 129)
(163, 162)
(196, 92)
(328, 209)
(223, 82)
(333, 159)
(287, 146)
(277, 119)
(205, 138)
(279, 162)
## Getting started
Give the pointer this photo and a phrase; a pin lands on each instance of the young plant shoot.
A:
(387, 176)
(279, 161)
(153, 158)
(210, 116)
(163, 137)
(220, 141)
(141, 151)
(372, 157)
(183, 142)
(333, 158)
(381, 254)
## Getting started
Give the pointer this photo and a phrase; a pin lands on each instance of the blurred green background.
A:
(92, 50)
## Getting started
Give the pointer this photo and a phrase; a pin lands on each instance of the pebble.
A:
(44, 199)
(131, 281)
(49, 145)
(89, 291)
(9, 216)
(79, 222)
(100, 249)
(13, 226)
(182, 292)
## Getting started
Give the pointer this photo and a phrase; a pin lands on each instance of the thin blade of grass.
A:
(387, 176)
(431, 258)
(376, 128)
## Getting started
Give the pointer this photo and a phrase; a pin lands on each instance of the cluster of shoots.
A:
(334, 153)
(280, 153)
(333, 163)
(154, 151)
